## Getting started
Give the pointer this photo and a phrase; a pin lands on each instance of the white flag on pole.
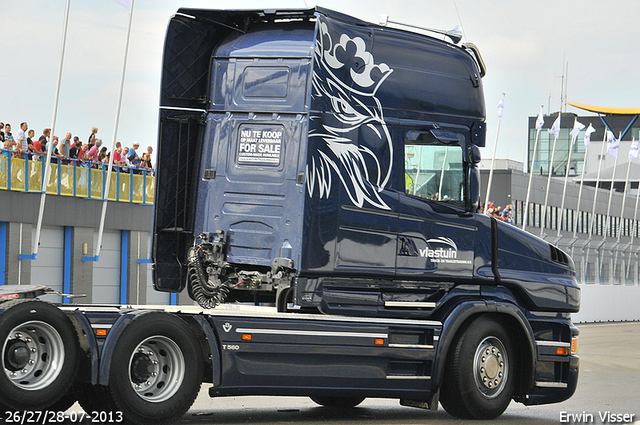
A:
(500, 108)
(555, 128)
(612, 144)
(577, 127)
(125, 3)
(587, 136)
(540, 120)
(634, 150)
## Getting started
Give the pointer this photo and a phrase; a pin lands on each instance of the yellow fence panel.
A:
(52, 185)
(18, 174)
(150, 189)
(125, 186)
(113, 187)
(82, 182)
(35, 176)
(66, 180)
(4, 171)
(137, 188)
(96, 184)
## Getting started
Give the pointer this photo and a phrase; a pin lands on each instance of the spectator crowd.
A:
(497, 212)
(92, 154)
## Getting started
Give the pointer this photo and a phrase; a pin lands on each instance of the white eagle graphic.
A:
(362, 174)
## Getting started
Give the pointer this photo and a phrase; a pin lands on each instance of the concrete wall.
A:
(125, 251)
(608, 303)
(23, 207)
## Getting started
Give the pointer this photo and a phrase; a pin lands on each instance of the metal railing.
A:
(609, 256)
(605, 263)
(72, 177)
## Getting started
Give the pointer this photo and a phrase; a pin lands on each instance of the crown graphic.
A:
(351, 53)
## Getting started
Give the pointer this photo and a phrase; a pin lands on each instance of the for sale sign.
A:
(260, 145)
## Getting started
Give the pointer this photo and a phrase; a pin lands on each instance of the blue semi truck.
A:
(317, 196)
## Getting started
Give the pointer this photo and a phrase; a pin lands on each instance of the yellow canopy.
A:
(606, 110)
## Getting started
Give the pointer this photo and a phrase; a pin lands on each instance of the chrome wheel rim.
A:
(33, 355)
(491, 367)
(156, 369)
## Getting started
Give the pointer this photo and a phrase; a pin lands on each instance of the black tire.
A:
(480, 371)
(338, 402)
(156, 369)
(40, 354)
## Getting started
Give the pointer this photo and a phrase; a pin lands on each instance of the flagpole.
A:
(595, 194)
(493, 157)
(633, 228)
(613, 176)
(595, 198)
(587, 144)
(606, 222)
(624, 196)
(115, 135)
(566, 177)
(584, 163)
(546, 196)
(618, 228)
(525, 218)
(47, 167)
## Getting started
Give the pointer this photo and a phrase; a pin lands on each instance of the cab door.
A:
(435, 233)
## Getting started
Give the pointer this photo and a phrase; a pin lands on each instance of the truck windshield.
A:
(434, 170)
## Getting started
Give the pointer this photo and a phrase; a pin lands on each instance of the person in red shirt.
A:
(117, 156)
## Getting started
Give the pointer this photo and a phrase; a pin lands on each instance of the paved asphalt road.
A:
(609, 382)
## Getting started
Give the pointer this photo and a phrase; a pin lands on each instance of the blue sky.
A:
(525, 45)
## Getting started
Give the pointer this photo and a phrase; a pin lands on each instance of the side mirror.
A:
(474, 188)
(475, 154)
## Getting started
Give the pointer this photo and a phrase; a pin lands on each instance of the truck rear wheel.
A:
(156, 370)
(39, 354)
(480, 371)
(338, 402)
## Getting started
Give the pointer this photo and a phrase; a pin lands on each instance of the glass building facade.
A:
(540, 163)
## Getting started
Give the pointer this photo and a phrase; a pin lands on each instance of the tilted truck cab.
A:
(320, 163)
(312, 163)
(329, 162)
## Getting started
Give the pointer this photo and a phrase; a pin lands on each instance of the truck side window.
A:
(433, 169)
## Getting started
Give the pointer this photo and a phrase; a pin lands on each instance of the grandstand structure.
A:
(65, 260)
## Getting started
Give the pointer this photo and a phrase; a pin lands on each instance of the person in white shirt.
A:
(125, 159)
(21, 139)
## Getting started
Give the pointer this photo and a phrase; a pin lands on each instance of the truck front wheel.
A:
(156, 370)
(480, 371)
